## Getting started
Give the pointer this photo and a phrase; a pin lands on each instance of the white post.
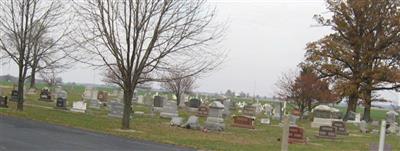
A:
(382, 136)
(285, 134)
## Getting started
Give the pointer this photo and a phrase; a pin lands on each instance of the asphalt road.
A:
(26, 135)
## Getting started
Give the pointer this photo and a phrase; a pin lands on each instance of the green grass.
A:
(146, 127)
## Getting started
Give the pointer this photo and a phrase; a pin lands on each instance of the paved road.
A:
(24, 135)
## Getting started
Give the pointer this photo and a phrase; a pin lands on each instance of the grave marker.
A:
(214, 121)
(194, 103)
(327, 132)
(79, 106)
(3, 102)
(249, 110)
(202, 111)
(243, 122)
(116, 109)
(45, 95)
(296, 135)
(340, 127)
(14, 96)
(324, 115)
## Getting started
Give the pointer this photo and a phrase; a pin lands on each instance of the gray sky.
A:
(265, 38)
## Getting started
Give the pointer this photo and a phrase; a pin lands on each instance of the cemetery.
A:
(207, 75)
(249, 133)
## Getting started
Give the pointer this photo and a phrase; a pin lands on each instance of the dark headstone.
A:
(202, 111)
(158, 101)
(340, 127)
(45, 95)
(194, 103)
(14, 95)
(296, 135)
(3, 102)
(328, 132)
(61, 103)
(243, 121)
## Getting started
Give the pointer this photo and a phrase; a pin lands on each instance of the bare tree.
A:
(22, 24)
(177, 83)
(50, 77)
(138, 41)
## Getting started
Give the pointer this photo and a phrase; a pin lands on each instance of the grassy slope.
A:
(158, 129)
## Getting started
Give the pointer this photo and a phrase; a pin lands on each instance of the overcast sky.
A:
(264, 38)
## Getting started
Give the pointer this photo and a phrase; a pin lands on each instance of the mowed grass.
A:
(154, 128)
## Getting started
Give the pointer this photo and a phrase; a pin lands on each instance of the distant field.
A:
(146, 127)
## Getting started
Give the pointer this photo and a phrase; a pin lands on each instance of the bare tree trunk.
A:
(367, 105)
(351, 106)
(33, 78)
(21, 79)
(178, 98)
(128, 95)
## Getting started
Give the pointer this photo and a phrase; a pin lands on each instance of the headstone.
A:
(202, 111)
(227, 107)
(340, 127)
(148, 100)
(354, 117)
(194, 103)
(363, 126)
(102, 96)
(140, 99)
(249, 110)
(391, 116)
(278, 111)
(192, 123)
(265, 121)
(176, 121)
(79, 106)
(268, 109)
(169, 110)
(327, 132)
(3, 102)
(61, 103)
(45, 95)
(296, 135)
(243, 122)
(159, 101)
(94, 103)
(14, 95)
(214, 121)
(324, 115)
(116, 109)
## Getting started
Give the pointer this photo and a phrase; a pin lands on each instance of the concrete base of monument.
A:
(168, 115)
(317, 122)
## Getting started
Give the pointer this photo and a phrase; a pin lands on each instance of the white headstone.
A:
(79, 106)
(265, 121)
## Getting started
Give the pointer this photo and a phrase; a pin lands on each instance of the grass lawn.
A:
(153, 128)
